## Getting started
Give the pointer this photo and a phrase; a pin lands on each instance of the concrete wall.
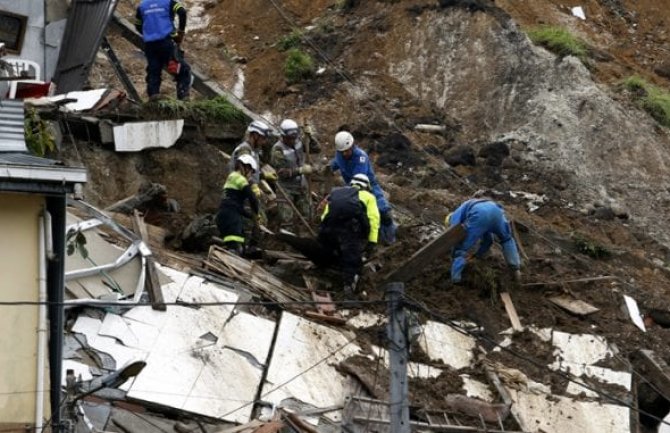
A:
(46, 55)
(19, 272)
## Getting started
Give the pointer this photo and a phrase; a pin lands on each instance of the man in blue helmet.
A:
(351, 160)
(155, 22)
(482, 219)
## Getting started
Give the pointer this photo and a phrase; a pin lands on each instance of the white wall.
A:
(33, 45)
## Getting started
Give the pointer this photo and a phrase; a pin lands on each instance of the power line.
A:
(97, 303)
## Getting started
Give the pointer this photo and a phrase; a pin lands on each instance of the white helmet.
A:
(248, 160)
(343, 141)
(259, 127)
(360, 180)
(289, 128)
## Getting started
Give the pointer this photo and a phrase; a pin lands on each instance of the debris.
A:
(575, 306)
(442, 343)
(438, 247)
(152, 283)
(295, 209)
(137, 136)
(511, 311)
(150, 195)
(433, 129)
(578, 11)
(261, 281)
(655, 369)
(490, 412)
(634, 312)
(576, 281)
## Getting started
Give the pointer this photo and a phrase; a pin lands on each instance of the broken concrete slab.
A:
(634, 312)
(574, 306)
(303, 363)
(557, 414)
(476, 389)
(137, 136)
(442, 343)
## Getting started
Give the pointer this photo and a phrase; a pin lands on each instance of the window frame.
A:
(22, 32)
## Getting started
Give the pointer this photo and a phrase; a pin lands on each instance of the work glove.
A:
(270, 177)
(179, 37)
(256, 190)
(306, 169)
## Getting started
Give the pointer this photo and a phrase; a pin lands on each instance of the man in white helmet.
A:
(288, 158)
(231, 214)
(351, 160)
(258, 134)
(349, 222)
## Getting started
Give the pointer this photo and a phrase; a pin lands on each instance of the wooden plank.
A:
(438, 247)
(335, 320)
(575, 281)
(253, 425)
(519, 245)
(575, 306)
(152, 283)
(286, 198)
(511, 311)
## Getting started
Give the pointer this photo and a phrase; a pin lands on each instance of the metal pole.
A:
(399, 354)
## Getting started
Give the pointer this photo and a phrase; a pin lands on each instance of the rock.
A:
(460, 155)
(604, 213)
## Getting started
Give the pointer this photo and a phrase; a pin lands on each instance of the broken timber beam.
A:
(120, 72)
(511, 311)
(201, 82)
(576, 281)
(152, 283)
(438, 247)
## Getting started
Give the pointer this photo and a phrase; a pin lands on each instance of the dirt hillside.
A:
(583, 169)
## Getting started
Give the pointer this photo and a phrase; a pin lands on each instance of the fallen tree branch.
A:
(579, 280)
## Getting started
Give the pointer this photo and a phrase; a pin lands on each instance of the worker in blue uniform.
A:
(154, 20)
(351, 160)
(482, 219)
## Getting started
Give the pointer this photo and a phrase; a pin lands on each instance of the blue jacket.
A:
(360, 163)
(482, 220)
(155, 19)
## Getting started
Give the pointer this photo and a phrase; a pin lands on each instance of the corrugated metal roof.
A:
(86, 25)
(12, 133)
(26, 159)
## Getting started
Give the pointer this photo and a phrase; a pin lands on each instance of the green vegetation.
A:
(654, 100)
(298, 66)
(591, 248)
(292, 40)
(204, 110)
(558, 40)
(76, 242)
(39, 139)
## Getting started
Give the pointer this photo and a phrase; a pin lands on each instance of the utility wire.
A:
(96, 303)
(562, 374)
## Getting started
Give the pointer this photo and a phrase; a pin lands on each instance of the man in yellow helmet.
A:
(350, 221)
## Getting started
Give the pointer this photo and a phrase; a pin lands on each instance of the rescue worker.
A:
(287, 157)
(351, 160)
(231, 214)
(258, 133)
(350, 225)
(482, 219)
(154, 20)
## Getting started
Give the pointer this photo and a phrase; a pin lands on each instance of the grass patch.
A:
(292, 40)
(204, 110)
(558, 40)
(653, 99)
(298, 65)
(590, 248)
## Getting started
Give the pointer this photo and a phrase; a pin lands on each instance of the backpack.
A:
(344, 204)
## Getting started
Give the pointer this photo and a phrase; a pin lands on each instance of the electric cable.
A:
(97, 303)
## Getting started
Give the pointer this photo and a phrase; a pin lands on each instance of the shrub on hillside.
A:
(292, 40)
(652, 99)
(298, 66)
(217, 109)
(558, 40)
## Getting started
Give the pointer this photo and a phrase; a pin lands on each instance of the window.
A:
(12, 30)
